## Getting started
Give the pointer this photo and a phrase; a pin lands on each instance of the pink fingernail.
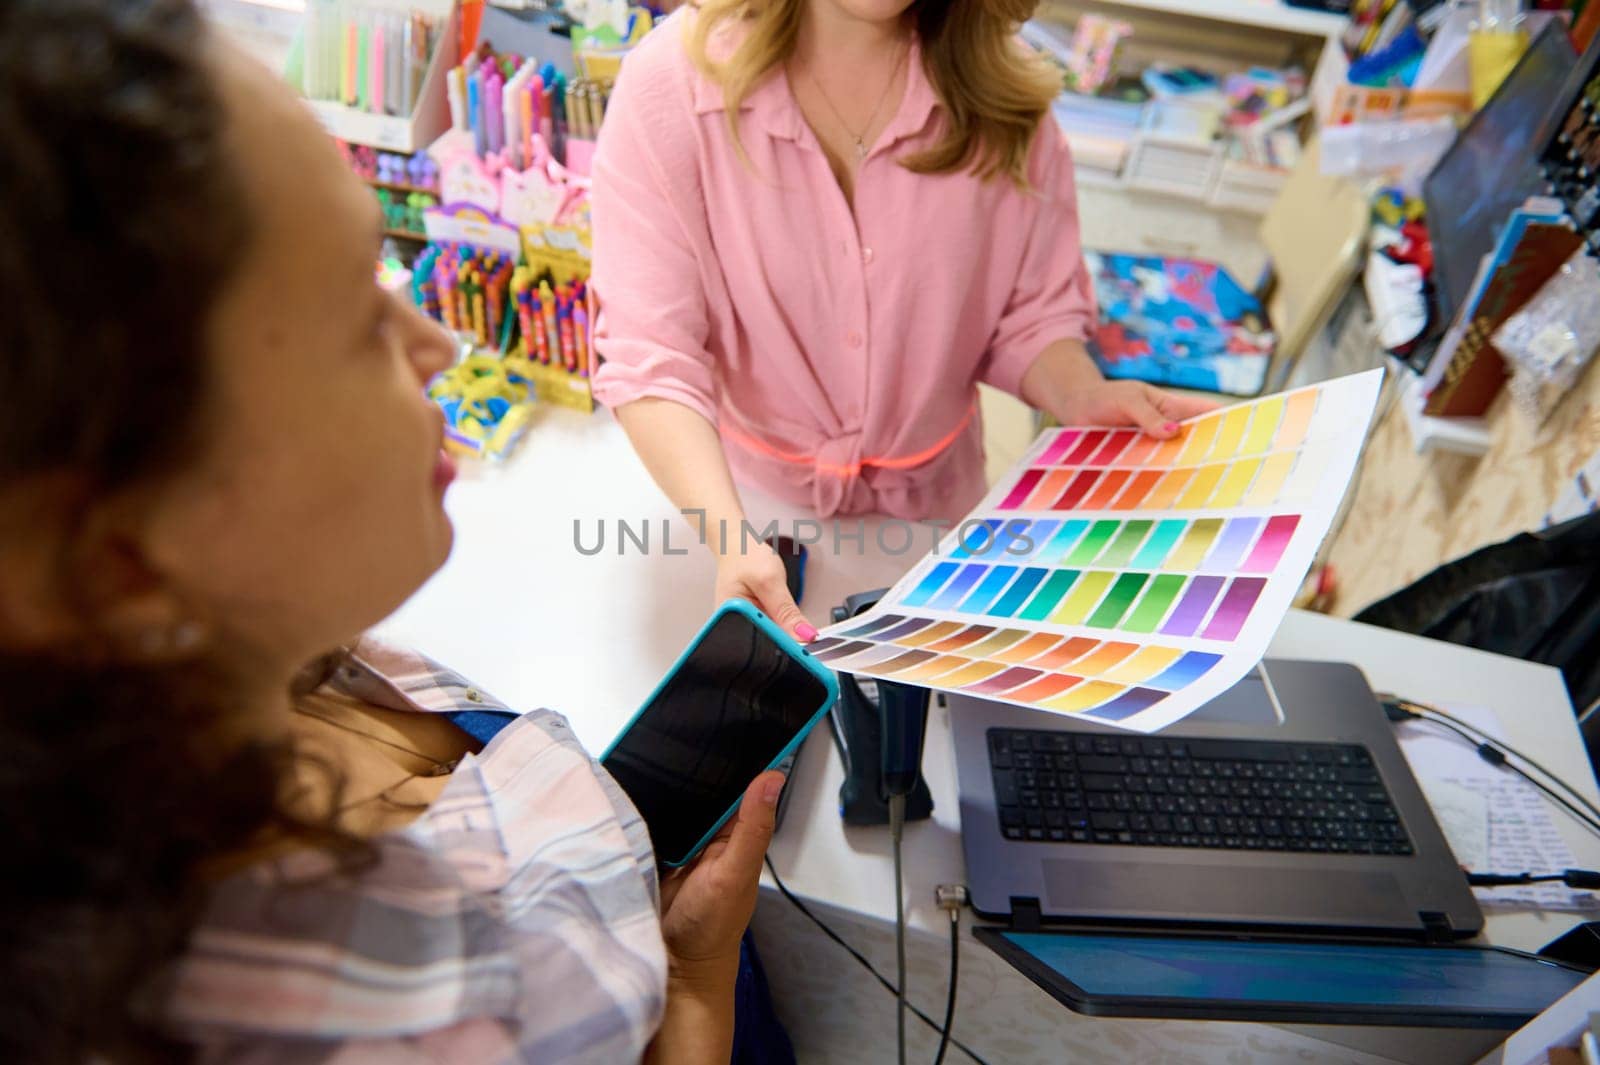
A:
(1171, 427)
(770, 793)
(806, 631)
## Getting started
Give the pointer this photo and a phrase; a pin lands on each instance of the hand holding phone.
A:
(706, 907)
(770, 575)
(739, 701)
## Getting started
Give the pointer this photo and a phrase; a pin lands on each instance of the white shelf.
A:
(1262, 14)
(1464, 436)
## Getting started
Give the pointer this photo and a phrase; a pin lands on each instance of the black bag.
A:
(1535, 596)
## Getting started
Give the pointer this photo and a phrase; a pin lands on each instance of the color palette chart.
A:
(1120, 577)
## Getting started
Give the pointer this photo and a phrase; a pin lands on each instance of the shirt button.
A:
(866, 255)
(853, 339)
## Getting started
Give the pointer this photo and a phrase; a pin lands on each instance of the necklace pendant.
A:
(861, 149)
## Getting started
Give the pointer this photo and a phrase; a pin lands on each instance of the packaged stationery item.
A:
(1551, 339)
(487, 405)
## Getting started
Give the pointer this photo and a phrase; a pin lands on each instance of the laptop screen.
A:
(1317, 975)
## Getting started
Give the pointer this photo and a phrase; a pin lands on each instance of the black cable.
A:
(1481, 738)
(950, 998)
(1577, 795)
(897, 822)
(1579, 879)
(862, 959)
(1491, 754)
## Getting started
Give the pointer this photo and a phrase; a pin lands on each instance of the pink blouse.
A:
(837, 352)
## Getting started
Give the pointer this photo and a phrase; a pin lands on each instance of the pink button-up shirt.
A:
(838, 352)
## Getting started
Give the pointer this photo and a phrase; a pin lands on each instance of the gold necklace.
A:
(860, 138)
(439, 769)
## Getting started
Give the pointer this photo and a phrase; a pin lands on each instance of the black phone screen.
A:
(734, 703)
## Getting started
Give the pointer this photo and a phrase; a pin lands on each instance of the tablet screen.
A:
(1462, 980)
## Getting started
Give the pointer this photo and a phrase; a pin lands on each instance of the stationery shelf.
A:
(1260, 14)
(407, 190)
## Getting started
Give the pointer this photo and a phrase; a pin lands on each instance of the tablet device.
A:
(1283, 980)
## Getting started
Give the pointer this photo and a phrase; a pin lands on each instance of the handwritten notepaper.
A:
(1495, 821)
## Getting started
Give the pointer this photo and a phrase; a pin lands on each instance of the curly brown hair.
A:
(120, 224)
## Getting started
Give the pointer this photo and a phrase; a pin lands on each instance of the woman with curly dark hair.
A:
(216, 466)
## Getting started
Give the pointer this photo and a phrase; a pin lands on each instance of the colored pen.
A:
(347, 71)
(363, 54)
(456, 91)
(407, 66)
(444, 278)
(525, 122)
(475, 306)
(494, 126)
(399, 53)
(315, 30)
(536, 112)
(377, 75)
(580, 331)
(547, 307)
(480, 143)
(569, 356)
(575, 113)
(508, 123)
(547, 104)
(596, 110)
(541, 343)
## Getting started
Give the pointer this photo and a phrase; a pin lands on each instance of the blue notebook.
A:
(1182, 323)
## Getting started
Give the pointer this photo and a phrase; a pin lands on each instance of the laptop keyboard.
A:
(1168, 791)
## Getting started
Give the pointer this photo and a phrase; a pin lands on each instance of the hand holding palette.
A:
(1122, 578)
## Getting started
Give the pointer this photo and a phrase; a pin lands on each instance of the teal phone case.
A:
(785, 643)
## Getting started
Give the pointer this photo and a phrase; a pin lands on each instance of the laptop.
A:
(1237, 816)
(1247, 864)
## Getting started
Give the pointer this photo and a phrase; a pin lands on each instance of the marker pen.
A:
(547, 303)
(536, 112)
(540, 343)
(596, 110)
(474, 121)
(580, 336)
(494, 125)
(444, 278)
(377, 74)
(363, 59)
(347, 66)
(547, 104)
(456, 90)
(480, 325)
(508, 119)
(569, 355)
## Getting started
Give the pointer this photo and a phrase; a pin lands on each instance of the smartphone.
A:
(793, 554)
(739, 701)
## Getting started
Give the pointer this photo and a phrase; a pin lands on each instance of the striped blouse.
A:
(514, 921)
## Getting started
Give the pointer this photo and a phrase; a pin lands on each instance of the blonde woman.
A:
(818, 225)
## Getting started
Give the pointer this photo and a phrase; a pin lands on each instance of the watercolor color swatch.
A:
(1120, 577)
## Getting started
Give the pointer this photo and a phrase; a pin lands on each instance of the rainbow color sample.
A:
(1119, 577)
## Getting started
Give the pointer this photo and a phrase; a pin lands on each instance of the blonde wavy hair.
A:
(993, 91)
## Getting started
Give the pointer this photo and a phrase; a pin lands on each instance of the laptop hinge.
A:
(1024, 913)
(1436, 926)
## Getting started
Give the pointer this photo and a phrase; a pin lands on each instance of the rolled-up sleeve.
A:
(653, 324)
(1053, 297)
